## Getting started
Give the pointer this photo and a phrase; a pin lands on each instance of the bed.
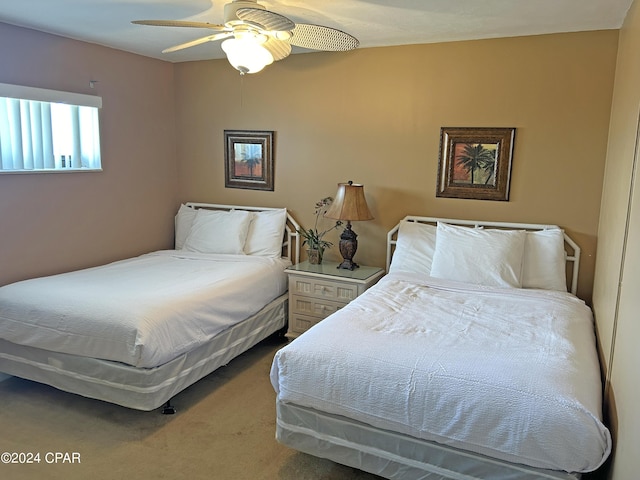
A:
(137, 331)
(471, 359)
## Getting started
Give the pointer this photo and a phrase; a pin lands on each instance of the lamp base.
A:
(348, 246)
(348, 265)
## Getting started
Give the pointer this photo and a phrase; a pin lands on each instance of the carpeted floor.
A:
(223, 429)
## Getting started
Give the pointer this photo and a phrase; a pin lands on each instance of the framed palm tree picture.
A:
(475, 162)
(248, 156)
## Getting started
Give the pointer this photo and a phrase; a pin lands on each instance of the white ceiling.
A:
(374, 22)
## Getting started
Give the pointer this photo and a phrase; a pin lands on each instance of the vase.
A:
(315, 256)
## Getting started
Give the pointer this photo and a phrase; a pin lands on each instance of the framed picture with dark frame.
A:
(248, 159)
(475, 162)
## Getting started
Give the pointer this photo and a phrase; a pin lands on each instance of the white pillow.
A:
(484, 257)
(544, 264)
(183, 221)
(266, 232)
(218, 232)
(414, 248)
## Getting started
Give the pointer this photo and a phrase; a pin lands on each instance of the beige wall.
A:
(58, 222)
(617, 281)
(374, 116)
(371, 115)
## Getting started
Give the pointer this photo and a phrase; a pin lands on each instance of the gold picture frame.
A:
(475, 162)
(248, 159)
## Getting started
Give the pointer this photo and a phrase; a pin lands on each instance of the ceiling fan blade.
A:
(193, 43)
(317, 37)
(266, 19)
(277, 48)
(179, 23)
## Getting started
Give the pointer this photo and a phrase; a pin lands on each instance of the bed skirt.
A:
(389, 454)
(141, 388)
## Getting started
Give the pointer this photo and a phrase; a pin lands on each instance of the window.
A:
(48, 131)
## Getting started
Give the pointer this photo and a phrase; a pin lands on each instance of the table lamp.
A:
(349, 205)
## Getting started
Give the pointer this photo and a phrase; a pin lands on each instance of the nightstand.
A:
(316, 291)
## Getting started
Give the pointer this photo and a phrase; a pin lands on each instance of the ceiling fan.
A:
(255, 37)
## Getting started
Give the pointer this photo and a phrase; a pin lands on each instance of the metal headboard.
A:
(572, 250)
(291, 239)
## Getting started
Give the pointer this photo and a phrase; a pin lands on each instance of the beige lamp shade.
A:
(349, 204)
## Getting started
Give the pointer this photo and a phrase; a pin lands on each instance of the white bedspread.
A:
(508, 373)
(142, 311)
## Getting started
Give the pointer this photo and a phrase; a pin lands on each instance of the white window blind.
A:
(48, 131)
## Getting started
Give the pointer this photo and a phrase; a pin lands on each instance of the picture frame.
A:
(475, 162)
(248, 159)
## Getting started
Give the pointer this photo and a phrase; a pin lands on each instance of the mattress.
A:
(144, 311)
(507, 373)
(141, 388)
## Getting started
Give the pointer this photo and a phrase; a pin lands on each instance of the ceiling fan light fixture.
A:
(246, 54)
(260, 36)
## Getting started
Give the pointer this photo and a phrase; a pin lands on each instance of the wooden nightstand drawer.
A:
(313, 287)
(299, 324)
(315, 307)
